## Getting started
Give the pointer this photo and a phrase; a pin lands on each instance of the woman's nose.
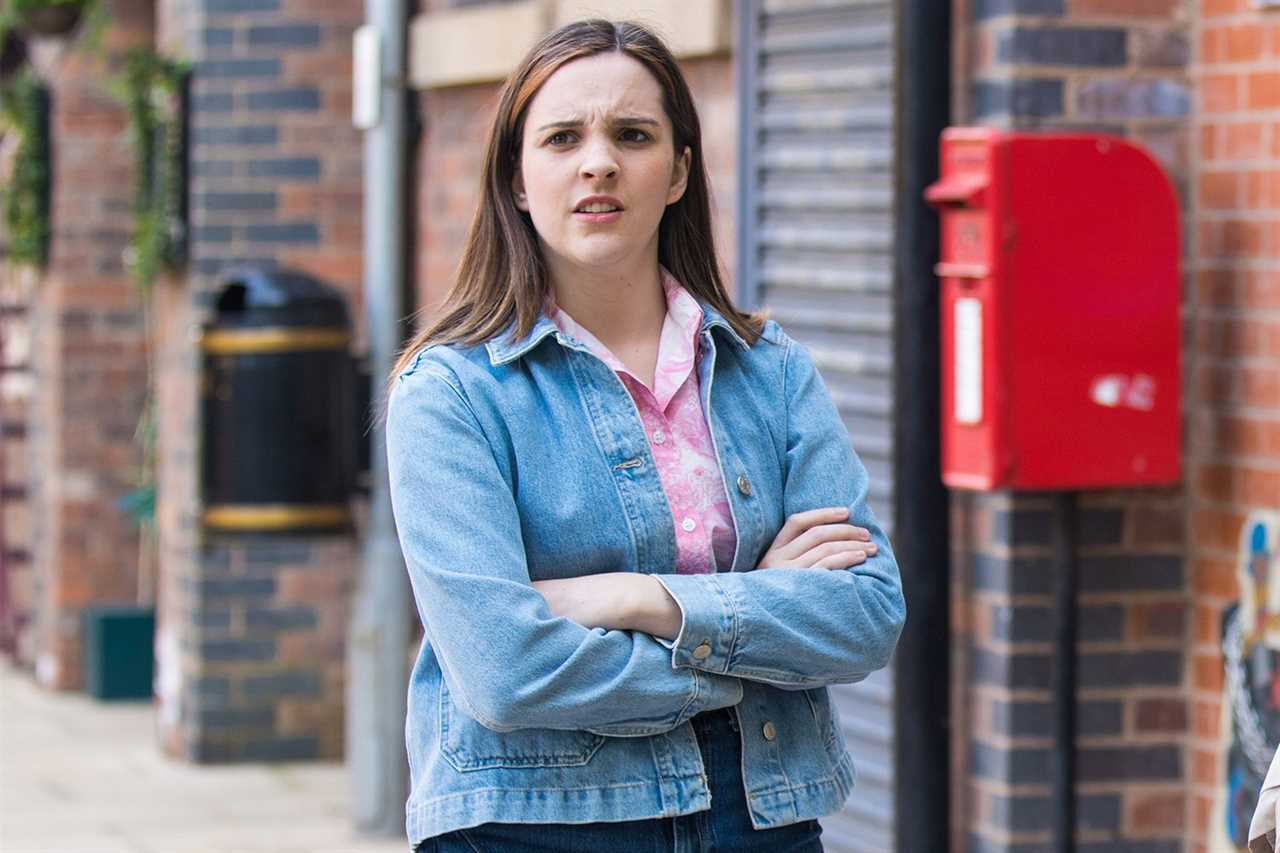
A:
(599, 161)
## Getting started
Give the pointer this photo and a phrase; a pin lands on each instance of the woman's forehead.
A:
(606, 85)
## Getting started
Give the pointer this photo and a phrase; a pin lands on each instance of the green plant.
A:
(58, 18)
(139, 503)
(151, 88)
(24, 110)
(21, 6)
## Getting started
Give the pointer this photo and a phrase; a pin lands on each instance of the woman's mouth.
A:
(598, 210)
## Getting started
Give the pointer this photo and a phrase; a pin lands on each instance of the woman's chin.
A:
(607, 261)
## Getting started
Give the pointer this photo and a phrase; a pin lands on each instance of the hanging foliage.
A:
(48, 17)
(24, 111)
(154, 92)
(13, 50)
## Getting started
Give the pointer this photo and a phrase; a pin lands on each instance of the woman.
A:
(590, 451)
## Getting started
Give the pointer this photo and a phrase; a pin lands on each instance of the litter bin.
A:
(117, 656)
(276, 408)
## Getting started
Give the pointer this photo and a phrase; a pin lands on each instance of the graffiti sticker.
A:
(1251, 657)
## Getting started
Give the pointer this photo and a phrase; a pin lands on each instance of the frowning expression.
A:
(598, 166)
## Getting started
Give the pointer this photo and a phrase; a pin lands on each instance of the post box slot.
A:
(966, 190)
(947, 269)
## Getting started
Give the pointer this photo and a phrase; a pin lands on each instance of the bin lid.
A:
(255, 296)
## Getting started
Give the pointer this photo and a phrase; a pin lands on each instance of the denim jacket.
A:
(525, 459)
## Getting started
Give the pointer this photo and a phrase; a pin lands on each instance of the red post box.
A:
(1060, 312)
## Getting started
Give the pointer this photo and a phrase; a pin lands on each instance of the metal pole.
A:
(922, 672)
(377, 649)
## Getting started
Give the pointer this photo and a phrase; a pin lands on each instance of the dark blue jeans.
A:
(724, 828)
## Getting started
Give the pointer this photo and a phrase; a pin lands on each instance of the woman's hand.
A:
(593, 601)
(817, 540)
(625, 601)
(629, 601)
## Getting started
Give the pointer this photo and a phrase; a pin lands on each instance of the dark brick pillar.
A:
(253, 628)
(1119, 68)
(1130, 701)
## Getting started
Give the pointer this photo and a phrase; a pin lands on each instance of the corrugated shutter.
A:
(816, 83)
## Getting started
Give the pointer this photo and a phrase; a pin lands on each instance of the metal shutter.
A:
(816, 106)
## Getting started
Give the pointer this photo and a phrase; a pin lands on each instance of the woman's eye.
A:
(564, 137)
(633, 134)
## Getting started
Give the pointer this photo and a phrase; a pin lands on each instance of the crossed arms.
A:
(795, 626)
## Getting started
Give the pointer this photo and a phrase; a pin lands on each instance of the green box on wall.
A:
(118, 651)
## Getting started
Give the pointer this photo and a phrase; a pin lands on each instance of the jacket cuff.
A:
(710, 691)
(709, 623)
(716, 691)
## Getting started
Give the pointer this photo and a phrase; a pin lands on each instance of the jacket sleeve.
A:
(799, 628)
(509, 660)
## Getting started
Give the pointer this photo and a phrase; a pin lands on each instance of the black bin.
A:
(276, 407)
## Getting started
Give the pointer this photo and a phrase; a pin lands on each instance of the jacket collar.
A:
(507, 347)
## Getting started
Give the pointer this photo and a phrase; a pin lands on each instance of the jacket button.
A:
(703, 649)
(744, 485)
(769, 732)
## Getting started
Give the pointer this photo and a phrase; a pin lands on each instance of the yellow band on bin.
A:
(272, 339)
(275, 516)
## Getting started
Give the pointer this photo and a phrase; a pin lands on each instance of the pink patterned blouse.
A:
(677, 431)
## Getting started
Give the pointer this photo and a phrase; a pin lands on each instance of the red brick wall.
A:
(89, 359)
(455, 121)
(1234, 448)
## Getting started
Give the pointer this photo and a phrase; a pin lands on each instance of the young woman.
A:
(637, 533)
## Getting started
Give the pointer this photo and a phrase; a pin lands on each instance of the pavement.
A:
(78, 775)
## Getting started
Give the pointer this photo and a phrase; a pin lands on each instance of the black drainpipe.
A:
(1064, 687)
(922, 677)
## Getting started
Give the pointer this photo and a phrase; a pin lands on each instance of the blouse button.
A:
(744, 485)
(659, 437)
(769, 732)
(687, 524)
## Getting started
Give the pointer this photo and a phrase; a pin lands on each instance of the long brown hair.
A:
(502, 276)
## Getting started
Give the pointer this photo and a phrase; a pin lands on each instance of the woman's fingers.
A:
(842, 560)
(822, 533)
(824, 556)
(816, 554)
(799, 522)
(815, 534)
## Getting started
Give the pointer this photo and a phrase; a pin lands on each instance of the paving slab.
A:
(78, 775)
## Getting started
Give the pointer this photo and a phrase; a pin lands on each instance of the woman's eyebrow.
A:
(636, 120)
(578, 121)
(571, 121)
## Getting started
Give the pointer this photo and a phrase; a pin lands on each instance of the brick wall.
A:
(456, 120)
(1234, 452)
(1115, 66)
(88, 359)
(252, 628)
(1132, 714)
(277, 165)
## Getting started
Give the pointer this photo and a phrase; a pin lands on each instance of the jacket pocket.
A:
(468, 745)
(820, 705)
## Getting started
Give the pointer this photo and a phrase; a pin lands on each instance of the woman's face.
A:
(598, 166)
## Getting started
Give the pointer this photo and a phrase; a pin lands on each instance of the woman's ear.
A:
(680, 176)
(517, 191)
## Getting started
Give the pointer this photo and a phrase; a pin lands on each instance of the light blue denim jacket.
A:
(525, 459)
